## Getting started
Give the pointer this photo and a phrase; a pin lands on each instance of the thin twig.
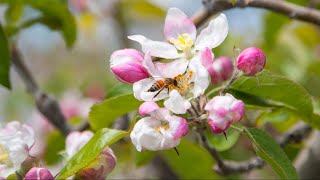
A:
(46, 104)
(291, 10)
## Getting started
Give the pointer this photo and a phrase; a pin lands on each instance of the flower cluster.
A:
(17, 139)
(179, 76)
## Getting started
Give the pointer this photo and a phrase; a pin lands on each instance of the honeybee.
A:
(160, 85)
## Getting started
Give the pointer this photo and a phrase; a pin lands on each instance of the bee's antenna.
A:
(175, 148)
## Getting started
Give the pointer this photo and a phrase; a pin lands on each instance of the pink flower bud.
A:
(147, 107)
(126, 65)
(39, 174)
(221, 70)
(223, 110)
(100, 167)
(251, 61)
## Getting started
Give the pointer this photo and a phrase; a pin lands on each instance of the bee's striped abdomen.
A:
(156, 86)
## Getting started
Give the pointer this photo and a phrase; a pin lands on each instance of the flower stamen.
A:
(184, 42)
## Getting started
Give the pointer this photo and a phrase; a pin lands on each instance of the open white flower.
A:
(180, 32)
(158, 131)
(177, 82)
(15, 142)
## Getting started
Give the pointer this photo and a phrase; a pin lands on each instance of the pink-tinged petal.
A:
(178, 23)
(237, 108)
(140, 91)
(129, 72)
(251, 61)
(176, 103)
(126, 65)
(218, 125)
(206, 57)
(148, 107)
(172, 69)
(124, 54)
(156, 48)
(37, 173)
(213, 35)
(150, 66)
(182, 129)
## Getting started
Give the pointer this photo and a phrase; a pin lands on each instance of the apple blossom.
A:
(159, 130)
(181, 33)
(223, 110)
(100, 167)
(126, 65)
(192, 79)
(251, 61)
(37, 173)
(16, 139)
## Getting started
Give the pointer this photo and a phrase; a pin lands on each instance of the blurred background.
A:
(81, 75)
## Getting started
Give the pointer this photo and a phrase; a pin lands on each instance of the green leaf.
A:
(90, 151)
(14, 12)
(55, 144)
(193, 162)
(266, 147)
(219, 142)
(279, 91)
(4, 60)
(57, 17)
(120, 89)
(103, 114)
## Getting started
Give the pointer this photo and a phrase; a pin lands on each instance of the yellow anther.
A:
(165, 127)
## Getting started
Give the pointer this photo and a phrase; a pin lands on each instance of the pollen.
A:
(164, 125)
(184, 81)
(184, 42)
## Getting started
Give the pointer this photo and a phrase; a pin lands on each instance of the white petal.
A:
(140, 91)
(152, 69)
(76, 140)
(172, 69)
(178, 23)
(213, 35)
(156, 48)
(176, 103)
(200, 77)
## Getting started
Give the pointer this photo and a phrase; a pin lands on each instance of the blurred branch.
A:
(296, 134)
(309, 158)
(46, 104)
(291, 10)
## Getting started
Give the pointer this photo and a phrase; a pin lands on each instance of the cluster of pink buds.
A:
(182, 79)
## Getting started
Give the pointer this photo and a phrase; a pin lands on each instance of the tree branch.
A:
(294, 135)
(46, 104)
(291, 10)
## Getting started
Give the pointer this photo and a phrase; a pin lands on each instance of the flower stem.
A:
(236, 75)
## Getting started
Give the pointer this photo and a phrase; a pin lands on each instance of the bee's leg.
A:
(158, 93)
(168, 90)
